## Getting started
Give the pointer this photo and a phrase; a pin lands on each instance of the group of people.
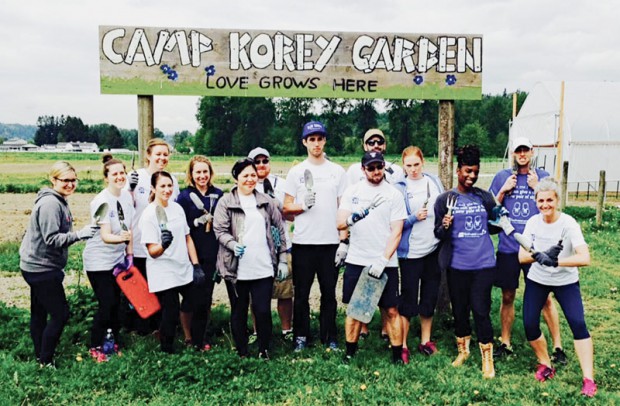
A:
(376, 218)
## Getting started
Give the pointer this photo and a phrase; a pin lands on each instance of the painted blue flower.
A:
(450, 80)
(165, 68)
(418, 79)
(173, 75)
(210, 70)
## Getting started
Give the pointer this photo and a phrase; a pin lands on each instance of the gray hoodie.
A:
(45, 246)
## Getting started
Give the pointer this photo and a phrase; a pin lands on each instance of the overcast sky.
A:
(50, 52)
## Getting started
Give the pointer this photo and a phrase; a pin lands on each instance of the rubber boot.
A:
(462, 344)
(488, 369)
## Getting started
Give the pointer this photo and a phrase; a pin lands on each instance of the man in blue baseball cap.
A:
(312, 192)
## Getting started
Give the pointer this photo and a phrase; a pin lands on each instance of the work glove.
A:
(360, 214)
(554, 251)
(133, 180)
(499, 211)
(239, 249)
(87, 232)
(377, 268)
(502, 222)
(282, 271)
(202, 220)
(166, 238)
(309, 201)
(341, 254)
(544, 259)
(199, 275)
(127, 262)
(216, 277)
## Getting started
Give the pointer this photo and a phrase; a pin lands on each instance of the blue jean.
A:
(569, 297)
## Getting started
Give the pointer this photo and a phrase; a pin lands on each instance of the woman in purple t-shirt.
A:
(467, 254)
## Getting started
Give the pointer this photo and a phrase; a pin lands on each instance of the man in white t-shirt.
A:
(374, 140)
(374, 213)
(313, 201)
(273, 186)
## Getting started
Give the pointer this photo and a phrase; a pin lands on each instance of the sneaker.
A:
(428, 349)
(543, 372)
(264, 355)
(187, 342)
(300, 344)
(206, 347)
(252, 338)
(52, 366)
(287, 335)
(404, 356)
(333, 346)
(559, 356)
(502, 350)
(385, 337)
(347, 359)
(589, 388)
(364, 335)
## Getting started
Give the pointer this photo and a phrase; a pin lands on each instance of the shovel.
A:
(162, 219)
(101, 212)
(121, 216)
(308, 180)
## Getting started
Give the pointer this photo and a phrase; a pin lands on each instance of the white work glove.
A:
(341, 254)
(87, 232)
(282, 271)
(239, 249)
(309, 201)
(202, 220)
(377, 268)
(133, 180)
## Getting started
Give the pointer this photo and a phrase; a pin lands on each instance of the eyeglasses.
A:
(372, 143)
(67, 180)
(264, 161)
(372, 168)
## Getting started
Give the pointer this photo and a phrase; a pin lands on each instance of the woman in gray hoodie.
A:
(43, 257)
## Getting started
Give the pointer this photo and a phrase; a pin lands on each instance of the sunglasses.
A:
(372, 143)
(67, 180)
(264, 161)
(372, 168)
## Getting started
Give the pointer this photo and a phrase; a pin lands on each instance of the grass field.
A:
(143, 375)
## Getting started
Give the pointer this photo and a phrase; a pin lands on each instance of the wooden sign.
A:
(189, 61)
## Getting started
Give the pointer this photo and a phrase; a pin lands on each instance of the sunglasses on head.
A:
(263, 161)
(372, 143)
(372, 168)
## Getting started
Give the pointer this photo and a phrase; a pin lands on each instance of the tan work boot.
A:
(462, 344)
(488, 369)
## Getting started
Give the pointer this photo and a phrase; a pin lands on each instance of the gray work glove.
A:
(377, 268)
(282, 271)
(309, 201)
(341, 254)
(87, 232)
(202, 220)
(133, 180)
(554, 251)
(544, 259)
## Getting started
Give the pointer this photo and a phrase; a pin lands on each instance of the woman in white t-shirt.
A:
(247, 225)
(139, 184)
(172, 265)
(558, 250)
(107, 249)
(417, 250)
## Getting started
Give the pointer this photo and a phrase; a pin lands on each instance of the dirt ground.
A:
(15, 212)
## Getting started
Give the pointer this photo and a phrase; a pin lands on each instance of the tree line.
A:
(235, 125)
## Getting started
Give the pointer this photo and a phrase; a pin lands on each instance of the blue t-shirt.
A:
(472, 248)
(520, 203)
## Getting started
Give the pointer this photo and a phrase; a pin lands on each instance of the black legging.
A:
(259, 291)
(47, 297)
(108, 296)
(170, 307)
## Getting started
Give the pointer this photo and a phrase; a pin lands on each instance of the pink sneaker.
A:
(589, 388)
(543, 373)
(428, 349)
(404, 355)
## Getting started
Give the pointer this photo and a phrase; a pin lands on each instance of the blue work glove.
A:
(239, 249)
(499, 211)
(199, 275)
(166, 238)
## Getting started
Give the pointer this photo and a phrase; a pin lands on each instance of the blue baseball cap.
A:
(313, 127)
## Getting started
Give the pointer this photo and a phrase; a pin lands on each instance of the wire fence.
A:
(589, 189)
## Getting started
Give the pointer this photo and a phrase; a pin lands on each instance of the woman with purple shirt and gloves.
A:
(461, 223)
